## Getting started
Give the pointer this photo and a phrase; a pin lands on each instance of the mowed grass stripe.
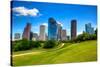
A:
(78, 52)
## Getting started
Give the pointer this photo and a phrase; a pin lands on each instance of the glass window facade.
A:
(89, 29)
(52, 29)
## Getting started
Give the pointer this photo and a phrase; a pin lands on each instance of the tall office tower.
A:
(73, 29)
(17, 36)
(27, 30)
(59, 31)
(89, 29)
(42, 35)
(92, 30)
(63, 35)
(31, 35)
(35, 37)
(52, 29)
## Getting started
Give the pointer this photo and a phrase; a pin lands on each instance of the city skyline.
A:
(38, 13)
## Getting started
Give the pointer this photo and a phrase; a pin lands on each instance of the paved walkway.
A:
(26, 54)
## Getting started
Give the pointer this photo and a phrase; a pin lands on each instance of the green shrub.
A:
(25, 45)
(50, 44)
(22, 45)
(86, 36)
(35, 44)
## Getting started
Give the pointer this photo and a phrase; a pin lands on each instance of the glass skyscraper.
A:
(89, 29)
(52, 29)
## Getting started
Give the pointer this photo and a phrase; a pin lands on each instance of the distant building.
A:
(89, 29)
(63, 35)
(27, 31)
(59, 31)
(31, 35)
(42, 35)
(52, 29)
(35, 37)
(17, 36)
(73, 29)
(68, 37)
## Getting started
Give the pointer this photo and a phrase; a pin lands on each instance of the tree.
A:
(35, 44)
(23, 45)
(49, 44)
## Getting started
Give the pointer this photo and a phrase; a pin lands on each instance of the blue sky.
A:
(37, 13)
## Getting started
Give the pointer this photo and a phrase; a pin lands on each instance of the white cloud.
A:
(46, 24)
(22, 11)
(79, 32)
(60, 23)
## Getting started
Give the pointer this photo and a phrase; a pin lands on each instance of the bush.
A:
(86, 36)
(22, 45)
(50, 44)
(35, 44)
(25, 45)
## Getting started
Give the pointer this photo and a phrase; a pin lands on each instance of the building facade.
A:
(73, 29)
(35, 37)
(52, 29)
(59, 31)
(42, 35)
(17, 36)
(26, 32)
(63, 35)
(89, 29)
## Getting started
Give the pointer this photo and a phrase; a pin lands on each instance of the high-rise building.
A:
(31, 35)
(27, 31)
(89, 29)
(63, 35)
(35, 37)
(17, 36)
(52, 29)
(73, 29)
(59, 31)
(68, 37)
(42, 35)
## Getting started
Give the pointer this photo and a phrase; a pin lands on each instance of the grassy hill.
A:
(77, 52)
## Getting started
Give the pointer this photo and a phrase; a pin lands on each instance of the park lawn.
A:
(76, 52)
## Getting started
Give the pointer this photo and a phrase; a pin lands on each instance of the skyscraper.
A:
(73, 29)
(35, 37)
(59, 31)
(63, 35)
(17, 36)
(27, 30)
(31, 35)
(89, 29)
(42, 35)
(52, 29)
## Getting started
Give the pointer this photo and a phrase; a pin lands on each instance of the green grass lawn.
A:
(77, 52)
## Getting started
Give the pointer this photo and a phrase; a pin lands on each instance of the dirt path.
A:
(33, 52)
(26, 54)
(62, 45)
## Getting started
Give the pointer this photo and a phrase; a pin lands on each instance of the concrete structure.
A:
(31, 35)
(59, 31)
(63, 35)
(68, 37)
(35, 37)
(42, 35)
(17, 36)
(26, 32)
(73, 29)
